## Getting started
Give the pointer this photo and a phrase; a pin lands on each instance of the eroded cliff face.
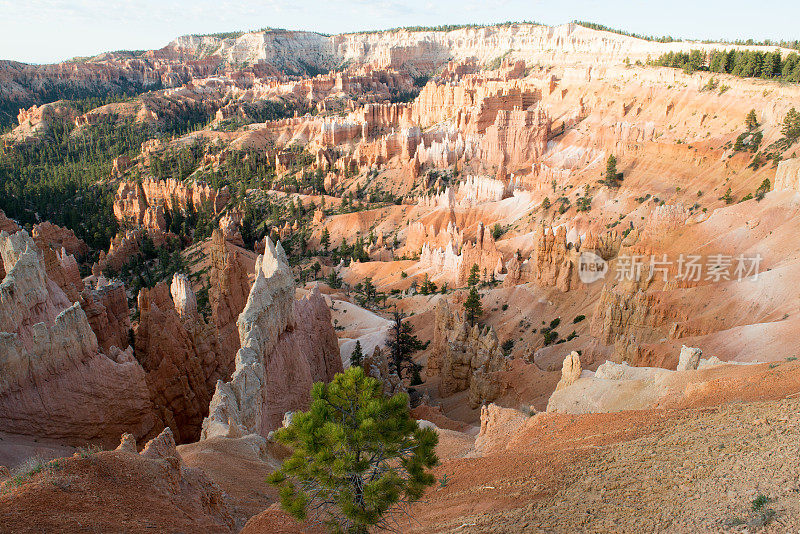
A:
(419, 52)
(180, 355)
(483, 253)
(57, 237)
(452, 264)
(279, 50)
(56, 381)
(555, 259)
(110, 72)
(228, 291)
(106, 308)
(564, 44)
(286, 345)
(10, 227)
(787, 176)
(63, 269)
(465, 358)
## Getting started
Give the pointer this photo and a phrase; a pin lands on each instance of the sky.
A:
(46, 31)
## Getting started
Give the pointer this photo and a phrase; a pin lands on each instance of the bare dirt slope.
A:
(113, 491)
(720, 469)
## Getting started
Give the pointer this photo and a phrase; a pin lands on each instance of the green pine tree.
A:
(497, 231)
(763, 189)
(427, 286)
(612, 177)
(611, 166)
(357, 458)
(402, 345)
(370, 292)
(334, 281)
(751, 121)
(472, 306)
(791, 125)
(356, 356)
(474, 275)
(325, 240)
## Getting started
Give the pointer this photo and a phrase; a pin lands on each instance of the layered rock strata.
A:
(56, 382)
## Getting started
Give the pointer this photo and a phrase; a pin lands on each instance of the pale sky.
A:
(44, 31)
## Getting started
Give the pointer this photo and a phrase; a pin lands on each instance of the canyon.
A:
(628, 234)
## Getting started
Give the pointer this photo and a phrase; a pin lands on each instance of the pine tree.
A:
(402, 346)
(333, 280)
(356, 356)
(472, 306)
(325, 240)
(357, 458)
(791, 125)
(344, 251)
(319, 182)
(370, 292)
(474, 275)
(611, 166)
(727, 197)
(497, 231)
(427, 286)
(763, 189)
(612, 177)
(751, 121)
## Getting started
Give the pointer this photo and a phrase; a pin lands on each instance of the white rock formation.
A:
(787, 177)
(183, 296)
(285, 347)
(689, 358)
(570, 370)
(477, 189)
(618, 386)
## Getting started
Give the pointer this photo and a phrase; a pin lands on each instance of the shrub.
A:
(497, 231)
(759, 503)
(549, 336)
